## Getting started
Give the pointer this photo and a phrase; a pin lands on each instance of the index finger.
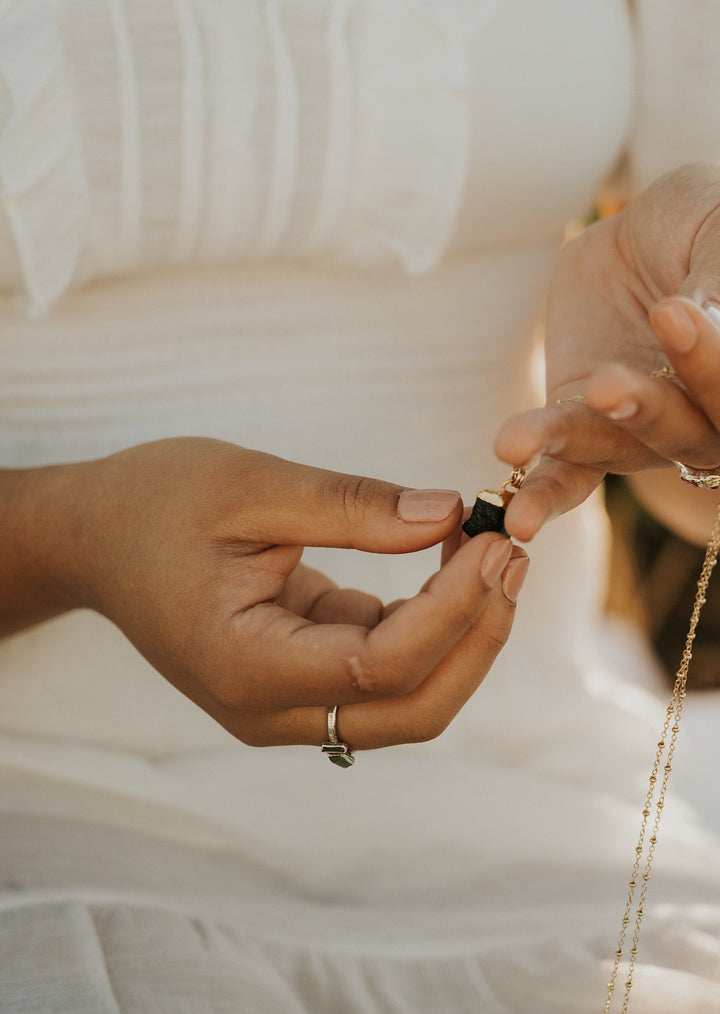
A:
(552, 488)
(570, 431)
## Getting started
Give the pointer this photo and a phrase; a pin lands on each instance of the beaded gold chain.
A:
(655, 798)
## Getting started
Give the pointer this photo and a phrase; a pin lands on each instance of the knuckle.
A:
(231, 694)
(466, 612)
(427, 726)
(381, 678)
(494, 637)
(553, 488)
(496, 641)
(251, 733)
(349, 498)
(398, 680)
(256, 729)
(492, 633)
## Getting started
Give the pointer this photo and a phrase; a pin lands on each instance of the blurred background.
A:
(652, 586)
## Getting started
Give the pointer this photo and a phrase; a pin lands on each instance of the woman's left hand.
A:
(635, 297)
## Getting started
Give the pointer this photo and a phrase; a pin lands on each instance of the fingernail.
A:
(427, 505)
(680, 330)
(625, 409)
(514, 577)
(496, 556)
(712, 310)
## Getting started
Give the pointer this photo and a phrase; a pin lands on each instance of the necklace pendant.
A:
(488, 513)
(486, 516)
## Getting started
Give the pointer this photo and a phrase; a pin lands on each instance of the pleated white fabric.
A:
(42, 176)
(322, 228)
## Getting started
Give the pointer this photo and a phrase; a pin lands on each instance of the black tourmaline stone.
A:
(485, 517)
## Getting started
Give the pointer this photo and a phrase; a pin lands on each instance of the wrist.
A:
(38, 576)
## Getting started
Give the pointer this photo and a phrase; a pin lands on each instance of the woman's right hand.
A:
(192, 548)
(625, 304)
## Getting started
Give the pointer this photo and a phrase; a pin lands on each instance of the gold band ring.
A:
(572, 399)
(702, 478)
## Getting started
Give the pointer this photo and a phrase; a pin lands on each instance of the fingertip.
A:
(523, 520)
(519, 440)
(523, 530)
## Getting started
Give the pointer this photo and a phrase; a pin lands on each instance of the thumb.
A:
(315, 507)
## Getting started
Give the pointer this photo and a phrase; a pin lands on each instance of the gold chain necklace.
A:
(655, 798)
(488, 515)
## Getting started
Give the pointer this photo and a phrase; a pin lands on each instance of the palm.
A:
(596, 314)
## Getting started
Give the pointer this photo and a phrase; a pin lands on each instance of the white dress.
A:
(321, 228)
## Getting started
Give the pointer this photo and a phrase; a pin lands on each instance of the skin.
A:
(192, 548)
(630, 296)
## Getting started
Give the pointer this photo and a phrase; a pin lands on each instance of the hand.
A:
(192, 547)
(628, 292)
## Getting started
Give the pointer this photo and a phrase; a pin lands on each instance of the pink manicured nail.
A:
(514, 576)
(624, 409)
(680, 330)
(496, 556)
(427, 505)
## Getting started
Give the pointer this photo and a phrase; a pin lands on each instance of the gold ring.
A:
(700, 477)
(577, 399)
(664, 373)
(338, 752)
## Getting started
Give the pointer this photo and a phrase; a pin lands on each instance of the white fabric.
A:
(42, 179)
(322, 229)
(678, 119)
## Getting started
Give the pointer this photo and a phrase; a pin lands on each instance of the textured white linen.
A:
(322, 229)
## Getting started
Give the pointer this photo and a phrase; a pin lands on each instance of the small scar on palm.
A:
(359, 677)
